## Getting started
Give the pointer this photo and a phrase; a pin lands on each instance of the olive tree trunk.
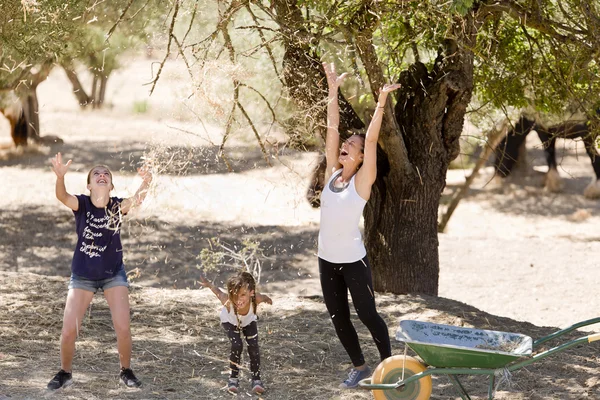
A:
(97, 94)
(418, 140)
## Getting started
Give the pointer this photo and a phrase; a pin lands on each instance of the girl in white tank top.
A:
(340, 240)
(343, 265)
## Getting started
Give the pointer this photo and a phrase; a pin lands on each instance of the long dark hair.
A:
(363, 136)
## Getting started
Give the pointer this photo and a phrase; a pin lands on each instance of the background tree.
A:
(32, 34)
(118, 28)
(35, 36)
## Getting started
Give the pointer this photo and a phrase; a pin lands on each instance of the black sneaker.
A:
(128, 378)
(62, 379)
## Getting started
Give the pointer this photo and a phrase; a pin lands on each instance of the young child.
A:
(238, 315)
(97, 264)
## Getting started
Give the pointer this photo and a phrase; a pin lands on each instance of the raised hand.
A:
(204, 282)
(384, 91)
(146, 173)
(263, 298)
(389, 87)
(333, 80)
(58, 167)
(267, 299)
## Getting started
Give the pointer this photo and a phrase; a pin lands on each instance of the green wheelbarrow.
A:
(452, 351)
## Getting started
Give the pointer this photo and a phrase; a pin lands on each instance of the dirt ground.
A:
(514, 259)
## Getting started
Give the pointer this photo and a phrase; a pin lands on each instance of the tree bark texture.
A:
(23, 115)
(102, 91)
(18, 123)
(305, 80)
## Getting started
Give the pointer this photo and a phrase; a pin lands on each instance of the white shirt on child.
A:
(228, 315)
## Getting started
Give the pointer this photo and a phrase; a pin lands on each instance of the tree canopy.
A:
(478, 59)
(33, 32)
(455, 59)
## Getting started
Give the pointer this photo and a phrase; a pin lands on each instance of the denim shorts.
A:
(78, 282)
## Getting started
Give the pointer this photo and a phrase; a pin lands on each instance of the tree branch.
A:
(222, 26)
(110, 32)
(543, 25)
(191, 22)
(187, 65)
(162, 64)
(258, 139)
(494, 136)
(264, 42)
(391, 139)
(228, 124)
(265, 100)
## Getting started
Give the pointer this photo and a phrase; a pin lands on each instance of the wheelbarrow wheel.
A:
(390, 371)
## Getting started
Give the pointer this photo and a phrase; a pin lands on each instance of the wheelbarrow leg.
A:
(459, 387)
(491, 387)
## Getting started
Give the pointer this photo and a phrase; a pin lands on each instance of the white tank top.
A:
(228, 315)
(340, 240)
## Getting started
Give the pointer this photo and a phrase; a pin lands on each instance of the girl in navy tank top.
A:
(97, 264)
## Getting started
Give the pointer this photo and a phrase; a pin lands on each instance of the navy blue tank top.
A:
(98, 254)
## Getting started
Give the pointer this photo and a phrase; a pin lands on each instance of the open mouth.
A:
(343, 153)
(104, 181)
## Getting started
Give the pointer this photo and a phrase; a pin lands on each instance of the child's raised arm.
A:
(217, 291)
(262, 298)
(60, 170)
(140, 194)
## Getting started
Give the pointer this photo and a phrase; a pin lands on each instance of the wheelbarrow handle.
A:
(566, 330)
(594, 337)
(582, 340)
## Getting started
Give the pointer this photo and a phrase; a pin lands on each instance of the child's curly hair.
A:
(238, 281)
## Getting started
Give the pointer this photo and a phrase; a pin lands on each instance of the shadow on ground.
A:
(180, 351)
(125, 156)
(157, 253)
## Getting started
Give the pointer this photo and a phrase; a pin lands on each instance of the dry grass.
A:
(180, 351)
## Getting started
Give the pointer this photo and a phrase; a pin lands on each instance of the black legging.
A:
(251, 335)
(336, 280)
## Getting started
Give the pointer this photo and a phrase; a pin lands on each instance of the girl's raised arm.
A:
(60, 170)
(365, 177)
(222, 296)
(263, 298)
(140, 194)
(332, 141)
